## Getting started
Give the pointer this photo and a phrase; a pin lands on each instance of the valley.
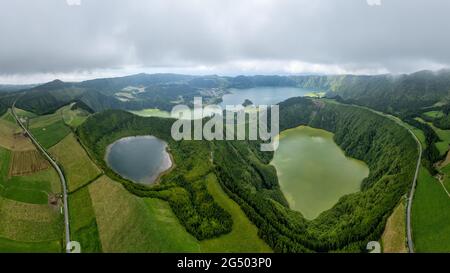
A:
(338, 180)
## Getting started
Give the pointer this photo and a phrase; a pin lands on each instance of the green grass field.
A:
(74, 118)
(25, 114)
(9, 117)
(430, 215)
(434, 114)
(131, 224)
(32, 189)
(8, 137)
(127, 223)
(394, 235)
(27, 223)
(11, 246)
(243, 229)
(444, 135)
(51, 134)
(46, 120)
(83, 224)
(77, 166)
(446, 171)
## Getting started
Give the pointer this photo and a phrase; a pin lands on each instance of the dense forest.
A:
(387, 93)
(184, 187)
(244, 173)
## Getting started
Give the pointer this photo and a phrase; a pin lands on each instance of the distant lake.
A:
(262, 95)
(141, 159)
(313, 170)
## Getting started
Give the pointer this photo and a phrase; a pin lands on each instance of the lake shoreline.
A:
(168, 160)
(313, 171)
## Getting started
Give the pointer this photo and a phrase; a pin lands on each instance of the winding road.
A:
(58, 170)
(411, 196)
(416, 174)
(414, 184)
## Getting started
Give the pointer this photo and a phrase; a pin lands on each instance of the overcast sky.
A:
(46, 39)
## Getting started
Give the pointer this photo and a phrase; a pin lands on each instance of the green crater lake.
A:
(313, 170)
(140, 159)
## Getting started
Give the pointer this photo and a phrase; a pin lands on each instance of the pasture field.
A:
(11, 246)
(430, 215)
(243, 229)
(442, 147)
(127, 223)
(31, 188)
(46, 120)
(11, 137)
(446, 172)
(434, 114)
(26, 222)
(27, 162)
(447, 184)
(83, 224)
(70, 117)
(23, 188)
(25, 114)
(418, 133)
(444, 135)
(394, 236)
(77, 165)
(51, 134)
(9, 117)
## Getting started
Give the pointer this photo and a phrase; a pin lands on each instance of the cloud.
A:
(374, 2)
(49, 37)
(73, 2)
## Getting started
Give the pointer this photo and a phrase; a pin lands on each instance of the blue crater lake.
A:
(141, 159)
(263, 95)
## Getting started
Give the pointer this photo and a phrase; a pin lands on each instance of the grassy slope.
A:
(434, 114)
(46, 120)
(444, 135)
(31, 188)
(152, 112)
(9, 117)
(50, 135)
(74, 118)
(430, 208)
(23, 113)
(430, 216)
(27, 223)
(130, 224)
(83, 223)
(11, 246)
(243, 229)
(51, 129)
(149, 225)
(394, 236)
(7, 138)
(78, 167)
